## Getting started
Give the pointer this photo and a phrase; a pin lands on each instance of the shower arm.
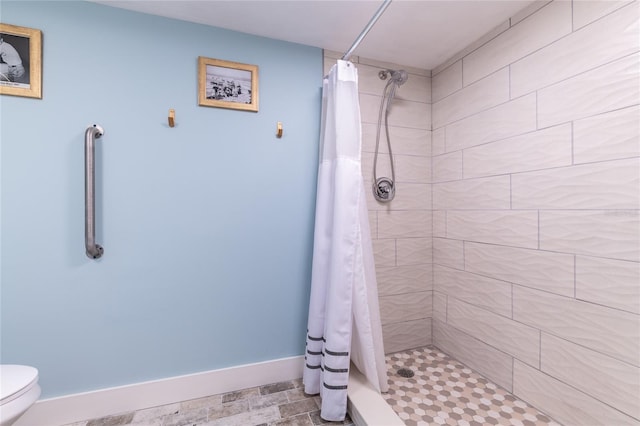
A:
(93, 250)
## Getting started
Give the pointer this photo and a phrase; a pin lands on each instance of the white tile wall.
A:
(611, 37)
(448, 81)
(413, 251)
(373, 223)
(509, 119)
(612, 234)
(499, 29)
(404, 140)
(411, 168)
(403, 113)
(416, 88)
(538, 30)
(585, 12)
(607, 136)
(384, 252)
(447, 167)
(609, 331)
(448, 253)
(404, 224)
(410, 114)
(564, 140)
(468, 194)
(463, 103)
(504, 227)
(608, 185)
(406, 307)
(548, 271)
(406, 335)
(564, 403)
(607, 379)
(440, 306)
(437, 145)
(404, 279)
(526, 12)
(606, 88)
(512, 337)
(609, 282)
(542, 149)
(383, 167)
(490, 362)
(488, 293)
(439, 223)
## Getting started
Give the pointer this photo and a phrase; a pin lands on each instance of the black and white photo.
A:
(226, 84)
(20, 61)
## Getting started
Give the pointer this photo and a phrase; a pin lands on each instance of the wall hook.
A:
(279, 132)
(172, 117)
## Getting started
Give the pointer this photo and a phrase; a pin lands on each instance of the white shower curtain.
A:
(344, 317)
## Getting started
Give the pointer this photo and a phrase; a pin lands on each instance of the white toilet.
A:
(19, 389)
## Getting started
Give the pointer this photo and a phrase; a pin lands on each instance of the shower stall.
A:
(512, 244)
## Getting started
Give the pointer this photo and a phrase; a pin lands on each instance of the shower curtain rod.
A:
(364, 32)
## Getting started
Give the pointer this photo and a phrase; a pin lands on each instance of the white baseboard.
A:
(137, 396)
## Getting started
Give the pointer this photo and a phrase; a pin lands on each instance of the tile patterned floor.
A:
(443, 391)
(278, 404)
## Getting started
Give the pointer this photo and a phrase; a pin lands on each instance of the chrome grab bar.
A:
(94, 251)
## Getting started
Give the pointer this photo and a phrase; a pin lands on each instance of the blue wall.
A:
(207, 227)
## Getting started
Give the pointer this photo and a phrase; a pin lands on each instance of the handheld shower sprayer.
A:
(384, 188)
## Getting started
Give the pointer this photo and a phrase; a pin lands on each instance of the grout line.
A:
(575, 278)
(464, 257)
(446, 308)
(540, 352)
(573, 161)
(511, 301)
(445, 223)
(509, 81)
(513, 368)
(538, 229)
(537, 124)
(444, 135)
(511, 193)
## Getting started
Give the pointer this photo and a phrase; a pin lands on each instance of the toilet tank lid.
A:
(14, 378)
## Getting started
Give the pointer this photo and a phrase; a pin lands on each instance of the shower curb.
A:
(366, 406)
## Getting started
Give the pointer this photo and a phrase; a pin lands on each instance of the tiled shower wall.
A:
(536, 218)
(401, 229)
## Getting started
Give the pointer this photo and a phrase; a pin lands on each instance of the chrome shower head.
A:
(399, 77)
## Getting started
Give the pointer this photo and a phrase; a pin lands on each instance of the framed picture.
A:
(225, 84)
(20, 61)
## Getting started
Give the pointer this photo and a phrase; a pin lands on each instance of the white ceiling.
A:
(418, 33)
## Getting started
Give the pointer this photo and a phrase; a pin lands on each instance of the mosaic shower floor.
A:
(445, 392)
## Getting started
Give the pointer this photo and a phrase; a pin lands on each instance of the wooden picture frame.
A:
(21, 61)
(226, 84)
